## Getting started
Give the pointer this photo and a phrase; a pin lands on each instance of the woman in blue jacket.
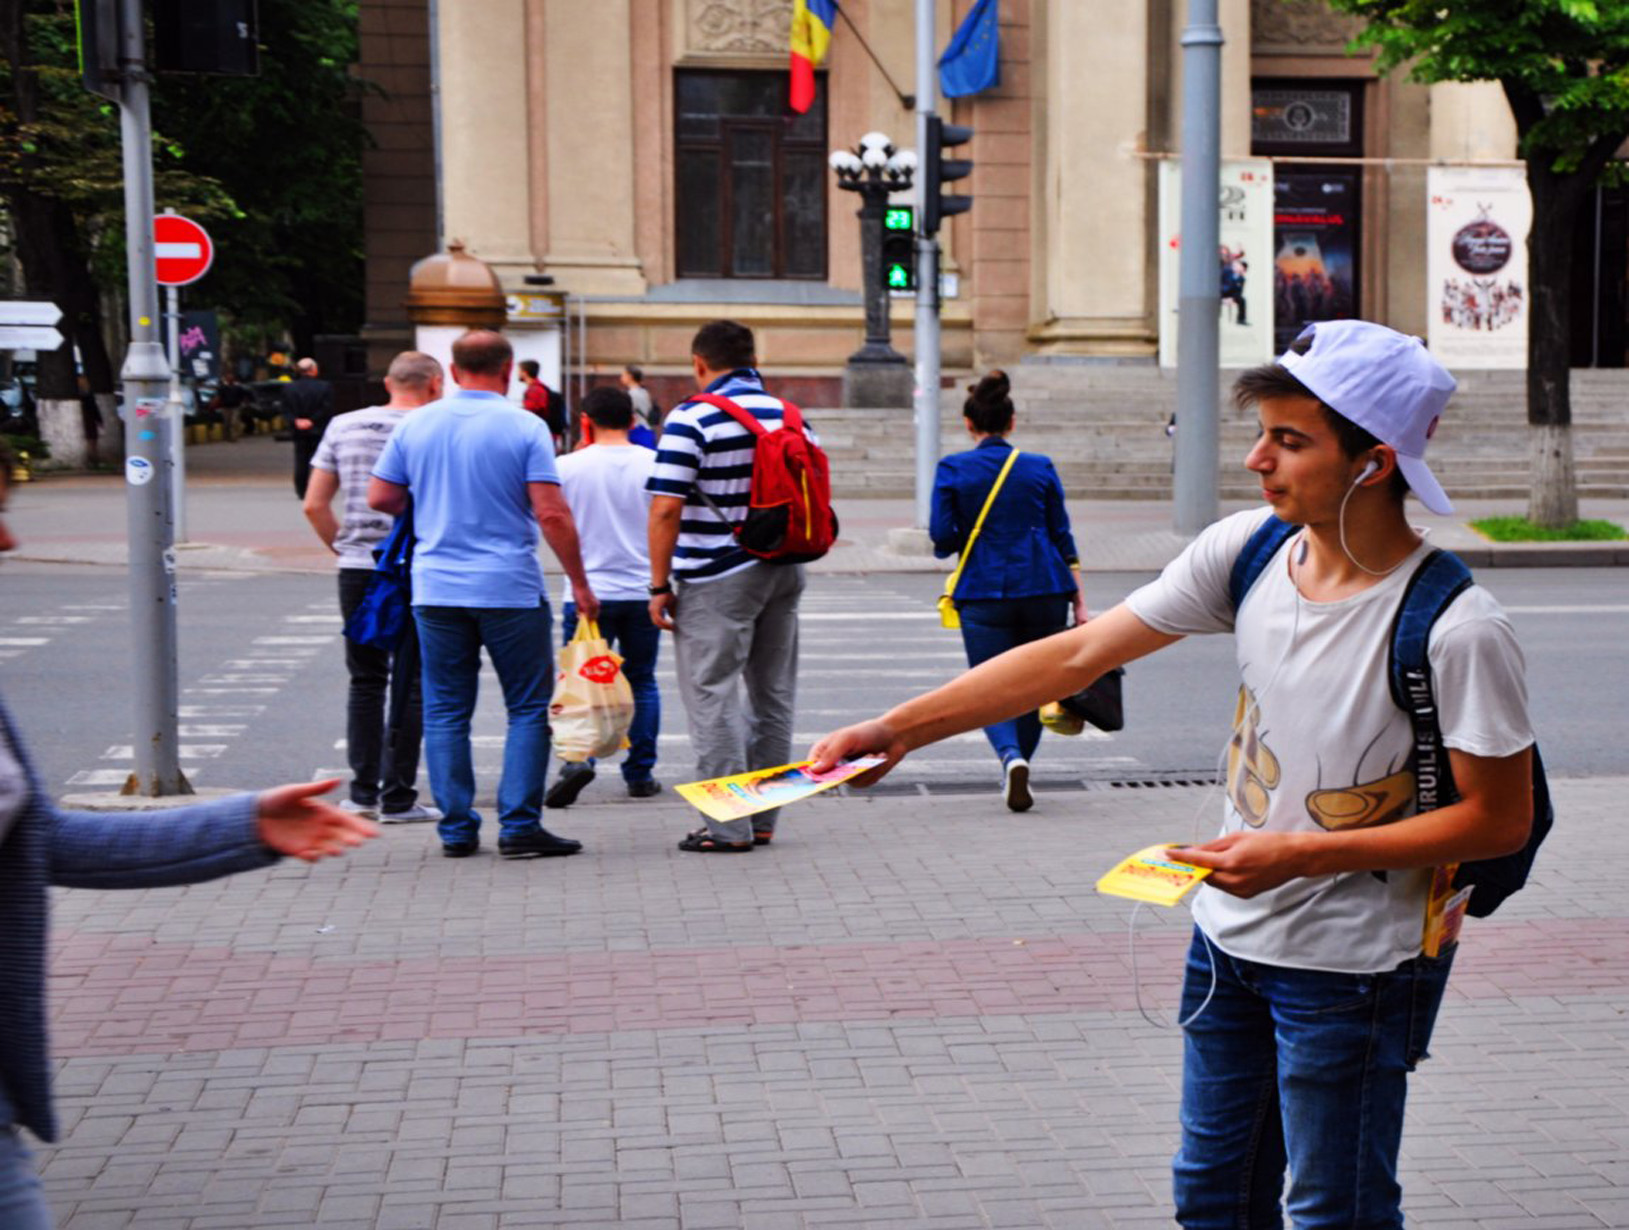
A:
(1022, 575)
(41, 846)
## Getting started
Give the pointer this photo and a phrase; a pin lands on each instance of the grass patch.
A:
(1520, 529)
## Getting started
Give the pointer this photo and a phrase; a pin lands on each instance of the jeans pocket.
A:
(1319, 993)
(1428, 979)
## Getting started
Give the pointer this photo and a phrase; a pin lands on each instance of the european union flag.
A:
(972, 62)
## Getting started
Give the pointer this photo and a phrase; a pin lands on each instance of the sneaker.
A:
(1015, 785)
(541, 844)
(368, 811)
(645, 789)
(459, 849)
(573, 777)
(410, 815)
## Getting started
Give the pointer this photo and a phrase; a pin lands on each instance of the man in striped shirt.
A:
(734, 617)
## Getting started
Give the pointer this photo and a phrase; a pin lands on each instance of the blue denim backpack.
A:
(1440, 578)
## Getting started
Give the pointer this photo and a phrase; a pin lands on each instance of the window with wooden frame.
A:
(750, 192)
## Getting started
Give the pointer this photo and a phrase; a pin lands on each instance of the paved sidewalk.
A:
(242, 514)
(910, 1011)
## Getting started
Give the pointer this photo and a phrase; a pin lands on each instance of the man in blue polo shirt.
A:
(481, 477)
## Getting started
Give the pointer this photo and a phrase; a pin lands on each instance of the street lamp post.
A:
(876, 374)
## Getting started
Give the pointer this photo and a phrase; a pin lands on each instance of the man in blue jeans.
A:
(604, 484)
(480, 473)
(1313, 981)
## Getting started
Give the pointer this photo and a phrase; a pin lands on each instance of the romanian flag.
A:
(812, 22)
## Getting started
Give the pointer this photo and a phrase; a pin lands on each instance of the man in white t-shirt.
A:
(1308, 997)
(381, 740)
(604, 483)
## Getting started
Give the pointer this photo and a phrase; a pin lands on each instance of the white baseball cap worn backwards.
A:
(1384, 381)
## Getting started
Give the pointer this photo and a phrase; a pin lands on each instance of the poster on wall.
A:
(1243, 261)
(1315, 248)
(1476, 269)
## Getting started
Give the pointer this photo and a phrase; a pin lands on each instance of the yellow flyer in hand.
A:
(1152, 875)
(746, 794)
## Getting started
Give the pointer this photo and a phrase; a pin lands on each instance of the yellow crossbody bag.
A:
(949, 617)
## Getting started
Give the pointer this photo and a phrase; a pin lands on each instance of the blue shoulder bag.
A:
(385, 613)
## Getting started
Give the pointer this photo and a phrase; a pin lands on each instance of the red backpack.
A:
(789, 515)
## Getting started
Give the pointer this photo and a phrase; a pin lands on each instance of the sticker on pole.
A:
(182, 250)
(138, 471)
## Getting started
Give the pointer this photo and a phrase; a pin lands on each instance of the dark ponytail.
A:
(988, 407)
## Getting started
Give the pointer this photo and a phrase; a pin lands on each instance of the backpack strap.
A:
(1270, 535)
(1440, 578)
(791, 416)
(791, 419)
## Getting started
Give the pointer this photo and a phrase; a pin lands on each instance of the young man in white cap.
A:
(1309, 996)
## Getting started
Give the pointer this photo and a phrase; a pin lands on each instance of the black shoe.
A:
(459, 849)
(541, 844)
(645, 789)
(573, 777)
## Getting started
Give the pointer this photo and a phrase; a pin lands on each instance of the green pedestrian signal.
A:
(899, 258)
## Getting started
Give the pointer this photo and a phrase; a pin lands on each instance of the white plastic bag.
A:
(593, 704)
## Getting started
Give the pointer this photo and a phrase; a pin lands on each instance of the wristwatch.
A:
(656, 590)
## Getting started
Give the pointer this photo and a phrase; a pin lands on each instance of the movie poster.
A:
(1242, 261)
(1476, 270)
(1315, 248)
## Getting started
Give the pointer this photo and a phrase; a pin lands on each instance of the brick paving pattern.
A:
(909, 1011)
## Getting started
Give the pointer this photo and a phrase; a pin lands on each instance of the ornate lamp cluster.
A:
(874, 163)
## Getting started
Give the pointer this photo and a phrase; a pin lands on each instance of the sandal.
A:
(703, 842)
(762, 837)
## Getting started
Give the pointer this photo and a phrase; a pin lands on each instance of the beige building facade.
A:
(639, 152)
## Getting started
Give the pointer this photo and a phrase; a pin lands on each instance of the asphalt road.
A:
(262, 680)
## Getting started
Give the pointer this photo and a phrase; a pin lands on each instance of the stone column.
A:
(485, 132)
(587, 133)
(1095, 243)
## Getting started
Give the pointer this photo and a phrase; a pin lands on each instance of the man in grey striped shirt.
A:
(382, 746)
(734, 617)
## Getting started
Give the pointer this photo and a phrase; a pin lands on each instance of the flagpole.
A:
(906, 101)
(927, 279)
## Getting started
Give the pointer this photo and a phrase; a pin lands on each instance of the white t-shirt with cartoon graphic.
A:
(1318, 742)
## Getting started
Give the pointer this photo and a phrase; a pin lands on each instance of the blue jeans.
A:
(626, 624)
(517, 642)
(990, 628)
(1301, 1069)
(22, 1199)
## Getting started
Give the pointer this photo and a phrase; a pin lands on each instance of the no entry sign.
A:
(182, 250)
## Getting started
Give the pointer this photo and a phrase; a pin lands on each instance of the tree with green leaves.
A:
(1564, 68)
(271, 164)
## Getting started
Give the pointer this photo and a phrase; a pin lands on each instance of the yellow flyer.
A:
(746, 794)
(1152, 875)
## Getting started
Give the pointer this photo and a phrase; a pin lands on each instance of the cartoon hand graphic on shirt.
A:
(1252, 769)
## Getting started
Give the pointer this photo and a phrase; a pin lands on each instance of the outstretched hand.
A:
(873, 738)
(294, 820)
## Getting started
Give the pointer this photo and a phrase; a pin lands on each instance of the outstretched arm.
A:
(1017, 681)
(202, 841)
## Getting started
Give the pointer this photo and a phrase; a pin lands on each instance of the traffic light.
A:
(938, 170)
(97, 27)
(206, 36)
(899, 248)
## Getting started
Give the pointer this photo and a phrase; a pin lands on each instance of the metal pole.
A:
(177, 413)
(147, 447)
(927, 278)
(1195, 502)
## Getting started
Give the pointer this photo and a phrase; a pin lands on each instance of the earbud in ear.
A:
(1369, 469)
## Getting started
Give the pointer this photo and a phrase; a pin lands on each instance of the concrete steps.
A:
(1104, 428)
